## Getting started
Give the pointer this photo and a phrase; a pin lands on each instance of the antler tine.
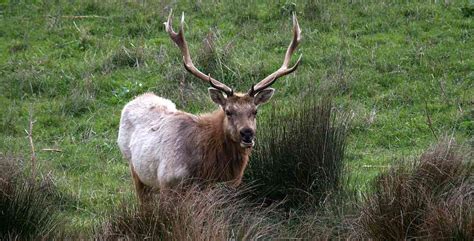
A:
(284, 69)
(219, 86)
(180, 41)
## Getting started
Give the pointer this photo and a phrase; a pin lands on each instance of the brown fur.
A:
(223, 160)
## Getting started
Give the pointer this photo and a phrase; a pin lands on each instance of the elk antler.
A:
(178, 39)
(283, 70)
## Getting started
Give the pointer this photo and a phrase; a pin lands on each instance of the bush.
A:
(300, 157)
(431, 200)
(192, 214)
(27, 209)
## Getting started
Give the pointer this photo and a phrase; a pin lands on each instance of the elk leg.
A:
(142, 191)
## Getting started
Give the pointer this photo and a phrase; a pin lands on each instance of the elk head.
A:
(240, 108)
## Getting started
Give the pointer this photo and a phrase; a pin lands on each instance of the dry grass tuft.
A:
(431, 200)
(27, 209)
(193, 214)
(132, 57)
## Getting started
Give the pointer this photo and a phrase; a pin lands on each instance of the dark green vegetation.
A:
(299, 156)
(403, 71)
(28, 208)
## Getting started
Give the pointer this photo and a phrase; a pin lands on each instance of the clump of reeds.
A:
(299, 155)
(193, 213)
(433, 199)
(27, 205)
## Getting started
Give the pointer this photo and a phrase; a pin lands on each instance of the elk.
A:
(165, 146)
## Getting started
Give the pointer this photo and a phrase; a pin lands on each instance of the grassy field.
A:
(404, 70)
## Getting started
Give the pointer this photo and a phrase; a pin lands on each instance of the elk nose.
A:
(246, 134)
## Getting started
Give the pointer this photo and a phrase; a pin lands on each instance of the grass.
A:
(404, 70)
(29, 207)
(299, 156)
(192, 214)
(430, 199)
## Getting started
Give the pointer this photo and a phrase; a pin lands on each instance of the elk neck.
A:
(222, 158)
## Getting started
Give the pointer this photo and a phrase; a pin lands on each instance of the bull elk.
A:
(165, 146)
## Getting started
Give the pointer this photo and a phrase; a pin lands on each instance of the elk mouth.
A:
(245, 144)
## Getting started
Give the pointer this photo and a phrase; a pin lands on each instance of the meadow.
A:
(397, 76)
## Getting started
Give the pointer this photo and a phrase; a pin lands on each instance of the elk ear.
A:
(263, 96)
(217, 96)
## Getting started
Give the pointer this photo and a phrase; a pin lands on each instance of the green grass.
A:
(391, 64)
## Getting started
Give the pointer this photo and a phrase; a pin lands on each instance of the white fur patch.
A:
(146, 140)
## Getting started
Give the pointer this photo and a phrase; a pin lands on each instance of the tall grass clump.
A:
(215, 55)
(192, 214)
(127, 57)
(299, 155)
(27, 208)
(433, 199)
(324, 224)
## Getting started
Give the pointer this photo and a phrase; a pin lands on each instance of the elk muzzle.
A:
(247, 137)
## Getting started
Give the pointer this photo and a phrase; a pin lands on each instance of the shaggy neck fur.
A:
(222, 158)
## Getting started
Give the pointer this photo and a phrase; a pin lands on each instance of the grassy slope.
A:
(392, 62)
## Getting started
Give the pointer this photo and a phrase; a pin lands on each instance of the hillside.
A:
(403, 70)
